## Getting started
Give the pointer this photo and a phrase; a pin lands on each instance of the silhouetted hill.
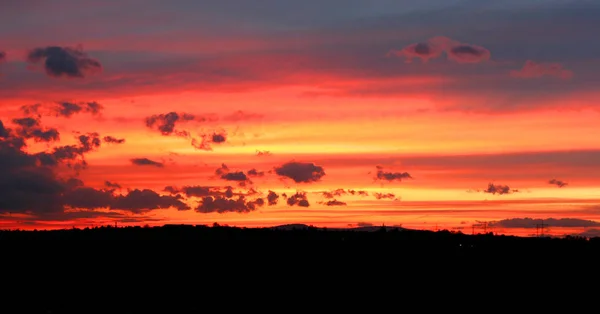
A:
(292, 227)
(364, 228)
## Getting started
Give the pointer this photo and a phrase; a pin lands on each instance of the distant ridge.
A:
(362, 229)
(293, 227)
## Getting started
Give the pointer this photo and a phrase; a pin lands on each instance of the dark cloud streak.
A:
(68, 109)
(533, 69)
(558, 183)
(146, 162)
(114, 140)
(389, 176)
(334, 203)
(550, 222)
(433, 48)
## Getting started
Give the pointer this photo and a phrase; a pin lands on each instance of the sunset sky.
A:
(336, 113)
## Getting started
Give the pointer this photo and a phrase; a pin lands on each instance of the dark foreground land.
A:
(219, 245)
(108, 265)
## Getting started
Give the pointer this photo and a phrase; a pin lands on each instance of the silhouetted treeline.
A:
(126, 267)
(178, 241)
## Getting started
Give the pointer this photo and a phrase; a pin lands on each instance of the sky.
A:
(431, 114)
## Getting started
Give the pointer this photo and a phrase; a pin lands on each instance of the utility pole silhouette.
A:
(540, 228)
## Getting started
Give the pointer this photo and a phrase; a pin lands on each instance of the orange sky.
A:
(439, 111)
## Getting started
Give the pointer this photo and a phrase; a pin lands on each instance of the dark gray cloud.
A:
(89, 141)
(301, 172)
(2, 56)
(62, 109)
(32, 109)
(235, 176)
(165, 123)
(146, 162)
(112, 185)
(67, 109)
(434, 47)
(4, 132)
(259, 202)
(255, 173)
(206, 140)
(272, 198)
(30, 128)
(71, 155)
(194, 191)
(499, 189)
(364, 224)
(217, 192)
(218, 138)
(88, 198)
(334, 193)
(550, 222)
(25, 186)
(342, 192)
(359, 192)
(64, 61)
(382, 196)
(558, 183)
(299, 198)
(390, 176)
(222, 170)
(141, 200)
(465, 53)
(112, 139)
(136, 201)
(30, 183)
(421, 50)
(225, 173)
(221, 204)
(263, 153)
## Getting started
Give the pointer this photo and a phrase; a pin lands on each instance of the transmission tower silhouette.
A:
(480, 224)
(540, 228)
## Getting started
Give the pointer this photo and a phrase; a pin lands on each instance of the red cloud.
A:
(532, 69)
